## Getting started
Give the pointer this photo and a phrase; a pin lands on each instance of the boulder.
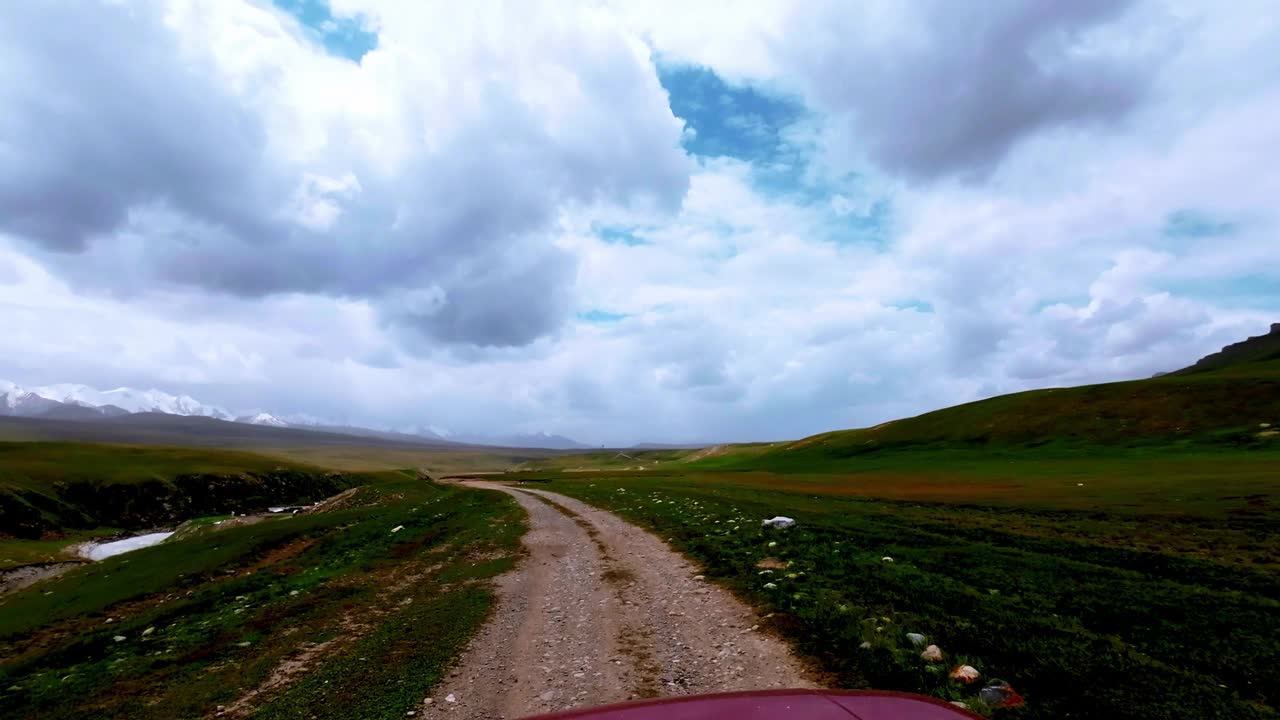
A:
(779, 522)
(966, 674)
(916, 639)
(933, 653)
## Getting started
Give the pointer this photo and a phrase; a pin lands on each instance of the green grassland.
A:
(1110, 550)
(1109, 608)
(1225, 409)
(370, 614)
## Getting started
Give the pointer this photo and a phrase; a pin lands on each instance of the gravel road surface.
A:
(601, 611)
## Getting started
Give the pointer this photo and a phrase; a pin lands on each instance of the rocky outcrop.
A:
(1255, 349)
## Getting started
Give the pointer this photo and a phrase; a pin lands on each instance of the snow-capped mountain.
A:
(71, 401)
(263, 418)
(131, 400)
(16, 401)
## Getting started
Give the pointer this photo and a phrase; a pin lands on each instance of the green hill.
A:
(1228, 399)
(1254, 350)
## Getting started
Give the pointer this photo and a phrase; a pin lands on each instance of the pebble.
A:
(148, 631)
(119, 638)
(886, 558)
(450, 698)
(548, 695)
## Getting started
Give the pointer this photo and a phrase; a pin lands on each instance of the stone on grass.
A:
(779, 522)
(119, 638)
(966, 674)
(397, 528)
(770, 586)
(148, 631)
(999, 694)
(916, 639)
(866, 645)
(886, 558)
(933, 653)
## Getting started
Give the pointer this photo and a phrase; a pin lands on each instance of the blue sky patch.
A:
(1185, 224)
(874, 226)
(616, 235)
(341, 36)
(1255, 291)
(920, 306)
(724, 120)
(596, 316)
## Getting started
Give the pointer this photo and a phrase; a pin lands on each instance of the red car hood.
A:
(776, 705)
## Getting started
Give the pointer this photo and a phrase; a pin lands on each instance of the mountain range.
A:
(69, 401)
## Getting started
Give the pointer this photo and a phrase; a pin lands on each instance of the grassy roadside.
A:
(337, 614)
(1134, 612)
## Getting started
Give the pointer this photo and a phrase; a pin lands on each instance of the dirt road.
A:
(599, 612)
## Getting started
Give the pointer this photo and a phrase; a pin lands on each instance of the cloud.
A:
(489, 223)
(213, 146)
(936, 88)
(105, 114)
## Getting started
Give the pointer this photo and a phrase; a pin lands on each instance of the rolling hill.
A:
(1228, 399)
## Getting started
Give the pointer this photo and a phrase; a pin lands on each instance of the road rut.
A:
(601, 611)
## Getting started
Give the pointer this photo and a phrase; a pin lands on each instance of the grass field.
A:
(365, 614)
(1130, 585)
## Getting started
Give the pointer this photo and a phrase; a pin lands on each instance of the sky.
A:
(631, 222)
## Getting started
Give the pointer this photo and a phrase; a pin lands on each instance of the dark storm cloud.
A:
(128, 158)
(103, 114)
(953, 87)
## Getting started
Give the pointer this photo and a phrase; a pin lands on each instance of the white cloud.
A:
(405, 240)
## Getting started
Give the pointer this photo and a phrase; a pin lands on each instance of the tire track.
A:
(600, 611)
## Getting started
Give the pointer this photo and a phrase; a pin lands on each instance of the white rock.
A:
(959, 704)
(769, 586)
(865, 645)
(548, 695)
(148, 631)
(966, 674)
(397, 528)
(886, 558)
(428, 701)
(450, 698)
(119, 638)
(779, 522)
(916, 639)
(933, 653)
